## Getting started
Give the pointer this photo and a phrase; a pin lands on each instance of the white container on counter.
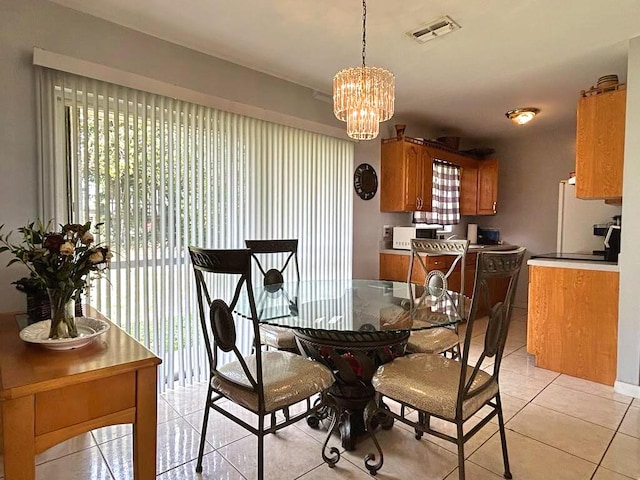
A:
(472, 233)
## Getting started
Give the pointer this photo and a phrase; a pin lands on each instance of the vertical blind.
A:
(164, 174)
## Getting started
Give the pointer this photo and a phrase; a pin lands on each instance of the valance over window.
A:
(445, 205)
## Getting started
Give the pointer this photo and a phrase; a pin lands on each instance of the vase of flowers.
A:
(63, 323)
(63, 262)
(38, 304)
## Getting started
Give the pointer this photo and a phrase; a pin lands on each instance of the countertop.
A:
(472, 249)
(575, 264)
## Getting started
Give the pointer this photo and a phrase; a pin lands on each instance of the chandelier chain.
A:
(364, 29)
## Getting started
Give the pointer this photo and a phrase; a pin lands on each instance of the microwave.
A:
(402, 236)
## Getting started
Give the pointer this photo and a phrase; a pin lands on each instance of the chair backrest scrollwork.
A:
(437, 280)
(217, 315)
(497, 271)
(273, 276)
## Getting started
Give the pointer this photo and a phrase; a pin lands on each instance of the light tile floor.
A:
(558, 427)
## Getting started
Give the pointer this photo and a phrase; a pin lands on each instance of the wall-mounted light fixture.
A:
(520, 116)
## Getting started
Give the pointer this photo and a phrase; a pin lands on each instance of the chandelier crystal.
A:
(363, 96)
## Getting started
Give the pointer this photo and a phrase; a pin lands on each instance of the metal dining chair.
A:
(441, 339)
(271, 335)
(264, 382)
(454, 390)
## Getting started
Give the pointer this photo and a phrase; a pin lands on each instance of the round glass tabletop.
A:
(353, 306)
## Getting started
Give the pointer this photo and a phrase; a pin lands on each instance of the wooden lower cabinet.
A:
(573, 321)
(394, 267)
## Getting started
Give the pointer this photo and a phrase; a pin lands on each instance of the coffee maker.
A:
(612, 240)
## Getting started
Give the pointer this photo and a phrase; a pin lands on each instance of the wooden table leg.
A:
(144, 429)
(18, 433)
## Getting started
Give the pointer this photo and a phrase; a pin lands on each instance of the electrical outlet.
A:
(386, 231)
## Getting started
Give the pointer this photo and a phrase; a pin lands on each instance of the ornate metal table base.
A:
(354, 358)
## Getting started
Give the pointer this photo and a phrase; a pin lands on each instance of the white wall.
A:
(368, 220)
(629, 300)
(25, 24)
(367, 217)
(531, 163)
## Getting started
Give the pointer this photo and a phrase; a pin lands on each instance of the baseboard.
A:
(627, 389)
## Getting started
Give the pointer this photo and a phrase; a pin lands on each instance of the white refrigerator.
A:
(576, 218)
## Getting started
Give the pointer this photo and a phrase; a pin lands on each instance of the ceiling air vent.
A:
(434, 29)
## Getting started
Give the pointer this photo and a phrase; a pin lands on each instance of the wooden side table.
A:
(47, 396)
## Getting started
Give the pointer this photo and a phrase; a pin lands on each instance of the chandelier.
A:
(363, 96)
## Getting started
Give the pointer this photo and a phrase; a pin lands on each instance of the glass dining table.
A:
(353, 327)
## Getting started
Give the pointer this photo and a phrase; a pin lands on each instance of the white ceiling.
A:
(508, 53)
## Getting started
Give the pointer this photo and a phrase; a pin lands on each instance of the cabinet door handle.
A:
(494, 207)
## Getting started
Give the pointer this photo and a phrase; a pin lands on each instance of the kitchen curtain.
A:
(445, 204)
(164, 174)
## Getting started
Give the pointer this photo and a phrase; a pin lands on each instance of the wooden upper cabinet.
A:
(412, 159)
(468, 191)
(487, 187)
(405, 177)
(468, 177)
(426, 180)
(600, 144)
(395, 167)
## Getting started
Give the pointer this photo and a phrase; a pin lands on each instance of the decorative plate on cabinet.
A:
(88, 330)
(365, 181)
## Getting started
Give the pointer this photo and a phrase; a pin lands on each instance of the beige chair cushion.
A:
(287, 377)
(277, 337)
(430, 383)
(433, 340)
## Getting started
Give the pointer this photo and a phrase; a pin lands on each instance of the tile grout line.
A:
(573, 416)
(552, 446)
(588, 393)
(568, 415)
(104, 459)
(213, 449)
(564, 413)
(617, 430)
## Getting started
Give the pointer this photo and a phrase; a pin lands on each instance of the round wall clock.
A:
(365, 181)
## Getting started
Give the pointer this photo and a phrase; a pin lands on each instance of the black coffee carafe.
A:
(612, 240)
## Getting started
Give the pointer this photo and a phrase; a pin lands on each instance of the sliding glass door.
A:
(163, 174)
